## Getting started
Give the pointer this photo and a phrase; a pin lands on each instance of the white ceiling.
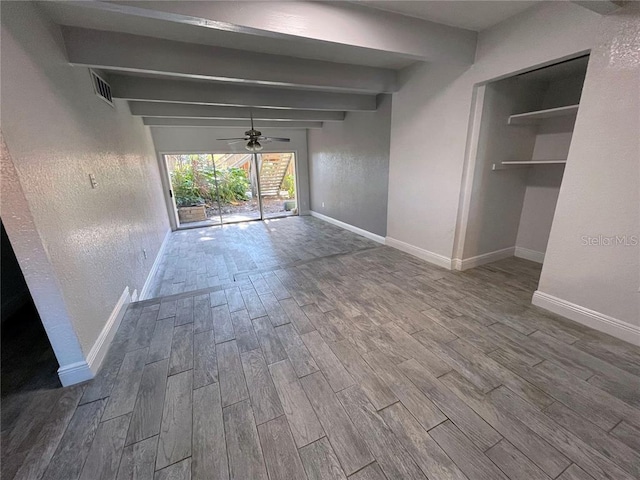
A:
(470, 14)
(80, 14)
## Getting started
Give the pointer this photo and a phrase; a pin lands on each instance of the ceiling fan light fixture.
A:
(253, 146)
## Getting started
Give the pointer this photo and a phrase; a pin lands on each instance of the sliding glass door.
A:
(215, 188)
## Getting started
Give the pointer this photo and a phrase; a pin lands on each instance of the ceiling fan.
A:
(253, 138)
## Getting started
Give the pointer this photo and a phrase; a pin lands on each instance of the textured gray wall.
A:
(58, 132)
(349, 168)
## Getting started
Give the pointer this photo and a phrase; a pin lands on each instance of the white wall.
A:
(553, 139)
(430, 120)
(600, 192)
(349, 168)
(432, 111)
(78, 247)
(538, 208)
(203, 140)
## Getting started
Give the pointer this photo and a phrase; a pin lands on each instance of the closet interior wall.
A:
(542, 182)
(512, 207)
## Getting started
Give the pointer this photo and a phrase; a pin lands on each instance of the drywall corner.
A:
(431, 257)
(529, 254)
(476, 261)
(39, 273)
(351, 228)
(75, 373)
(103, 342)
(146, 289)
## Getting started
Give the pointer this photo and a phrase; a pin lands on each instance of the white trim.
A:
(154, 268)
(75, 373)
(599, 321)
(529, 254)
(101, 346)
(472, 262)
(87, 369)
(169, 201)
(430, 257)
(351, 228)
(468, 172)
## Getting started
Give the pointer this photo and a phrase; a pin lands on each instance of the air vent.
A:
(101, 87)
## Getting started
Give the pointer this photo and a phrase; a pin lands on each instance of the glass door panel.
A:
(194, 188)
(277, 180)
(238, 187)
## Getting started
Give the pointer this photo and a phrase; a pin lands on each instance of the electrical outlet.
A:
(144, 252)
(92, 179)
(322, 204)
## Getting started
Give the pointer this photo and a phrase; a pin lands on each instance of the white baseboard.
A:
(472, 262)
(528, 254)
(351, 228)
(426, 255)
(101, 346)
(75, 373)
(154, 268)
(599, 321)
(86, 370)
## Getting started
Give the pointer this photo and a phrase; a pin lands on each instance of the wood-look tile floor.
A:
(366, 365)
(209, 257)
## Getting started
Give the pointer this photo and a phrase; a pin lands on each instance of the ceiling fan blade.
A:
(236, 138)
(276, 139)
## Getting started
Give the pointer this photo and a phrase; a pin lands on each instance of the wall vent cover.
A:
(101, 87)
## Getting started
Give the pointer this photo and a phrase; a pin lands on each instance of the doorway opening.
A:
(221, 188)
(522, 147)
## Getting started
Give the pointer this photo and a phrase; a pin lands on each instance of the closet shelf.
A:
(534, 162)
(526, 163)
(533, 118)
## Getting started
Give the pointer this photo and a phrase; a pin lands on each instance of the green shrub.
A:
(185, 187)
(289, 184)
(232, 185)
(194, 181)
